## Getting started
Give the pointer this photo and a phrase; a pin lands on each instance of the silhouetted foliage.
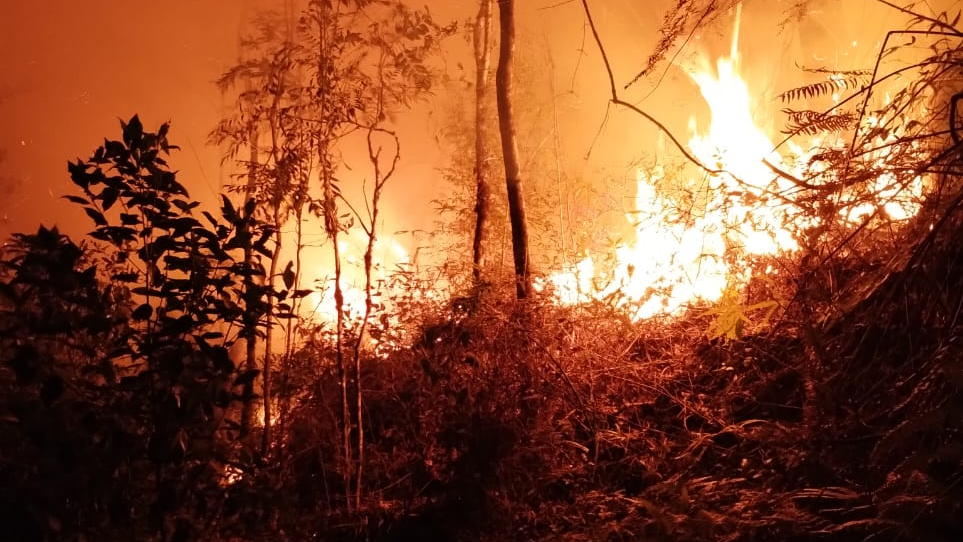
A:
(119, 413)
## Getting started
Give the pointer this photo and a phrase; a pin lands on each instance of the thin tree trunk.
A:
(266, 374)
(481, 39)
(506, 125)
(332, 227)
(284, 402)
(250, 320)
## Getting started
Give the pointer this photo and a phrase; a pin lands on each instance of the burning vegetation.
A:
(771, 352)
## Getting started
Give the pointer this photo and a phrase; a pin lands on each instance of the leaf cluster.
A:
(836, 81)
(129, 362)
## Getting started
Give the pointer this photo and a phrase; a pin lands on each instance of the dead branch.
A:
(615, 99)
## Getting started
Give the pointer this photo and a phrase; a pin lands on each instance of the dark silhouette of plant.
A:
(63, 335)
(680, 22)
(836, 80)
(54, 306)
(124, 388)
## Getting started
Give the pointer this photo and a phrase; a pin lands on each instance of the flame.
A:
(388, 255)
(696, 243)
(692, 252)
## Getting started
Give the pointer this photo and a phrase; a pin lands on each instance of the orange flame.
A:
(388, 255)
(681, 257)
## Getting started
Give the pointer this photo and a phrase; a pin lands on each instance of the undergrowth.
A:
(548, 423)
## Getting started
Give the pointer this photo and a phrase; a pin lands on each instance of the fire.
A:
(387, 256)
(698, 241)
(690, 251)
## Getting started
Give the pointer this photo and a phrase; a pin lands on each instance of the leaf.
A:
(143, 312)
(288, 275)
(116, 150)
(126, 277)
(78, 174)
(184, 205)
(182, 225)
(836, 81)
(76, 199)
(108, 197)
(227, 209)
(210, 218)
(133, 130)
(809, 122)
(263, 250)
(96, 216)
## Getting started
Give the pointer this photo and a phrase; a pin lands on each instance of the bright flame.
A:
(387, 256)
(691, 250)
(681, 257)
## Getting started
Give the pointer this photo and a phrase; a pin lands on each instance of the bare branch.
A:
(628, 105)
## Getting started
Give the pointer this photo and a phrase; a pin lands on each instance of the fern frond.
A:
(841, 73)
(810, 122)
(835, 81)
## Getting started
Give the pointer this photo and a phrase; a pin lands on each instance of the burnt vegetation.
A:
(128, 404)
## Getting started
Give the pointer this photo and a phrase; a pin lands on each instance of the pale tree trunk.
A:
(481, 37)
(506, 126)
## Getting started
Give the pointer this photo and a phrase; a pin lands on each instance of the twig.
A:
(618, 101)
(935, 22)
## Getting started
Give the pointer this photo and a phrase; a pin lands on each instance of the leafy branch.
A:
(810, 122)
(836, 81)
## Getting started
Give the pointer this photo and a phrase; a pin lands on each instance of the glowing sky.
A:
(71, 68)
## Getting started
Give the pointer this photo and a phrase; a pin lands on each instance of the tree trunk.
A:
(506, 126)
(266, 369)
(249, 320)
(481, 37)
(332, 227)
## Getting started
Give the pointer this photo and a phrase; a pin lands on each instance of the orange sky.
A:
(72, 68)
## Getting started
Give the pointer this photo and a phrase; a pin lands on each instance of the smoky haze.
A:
(71, 69)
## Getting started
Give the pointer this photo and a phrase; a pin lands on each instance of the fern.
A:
(835, 81)
(730, 316)
(810, 122)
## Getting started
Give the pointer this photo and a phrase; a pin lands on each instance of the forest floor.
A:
(561, 424)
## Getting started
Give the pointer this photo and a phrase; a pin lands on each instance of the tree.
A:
(340, 71)
(506, 125)
(480, 39)
(557, 204)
